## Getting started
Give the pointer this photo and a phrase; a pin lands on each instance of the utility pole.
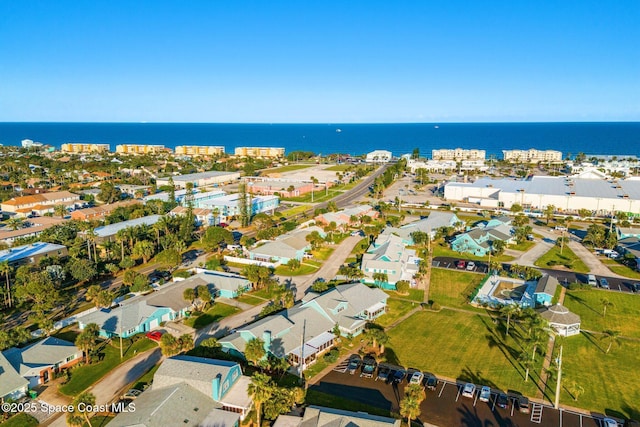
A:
(559, 361)
(304, 328)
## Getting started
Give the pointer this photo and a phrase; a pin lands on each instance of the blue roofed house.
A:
(292, 245)
(479, 240)
(192, 391)
(389, 255)
(545, 290)
(312, 321)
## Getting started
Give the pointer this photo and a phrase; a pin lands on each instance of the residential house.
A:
(99, 212)
(38, 362)
(343, 218)
(32, 253)
(545, 290)
(479, 241)
(228, 206)
(203, 217)
(39, 204)
(430, 225)
(317, 416)
(225, 285)
(388, 255)
(33, 227)
(108, 232)
(292, 245)
(313, 322)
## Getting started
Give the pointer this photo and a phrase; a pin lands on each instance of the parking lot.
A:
(445, 406)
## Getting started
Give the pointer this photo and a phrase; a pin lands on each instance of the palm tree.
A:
(260, 389)
(88, 399)
(606, 304)
(92, 239)
(121, 236)
(143, 249)
(612, 337)
(409, 408)
(15, 223)
(60, 210)
(509, 310)
(6, 269)
(526, 362)
(548, 212)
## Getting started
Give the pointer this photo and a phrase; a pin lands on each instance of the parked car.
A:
(635, 287)
(609, 422)
(368, 366)
(398, 376)
(154, 335)
(502, 400)
(416, 378)
(523, 404)
(485, 394)
(471, 265)
(383, 373)
(530, 237)
(354, 363)
(430, 382)
(468, 390)
(591, 280)
(131, 394)
(461, 264)
(604, 283)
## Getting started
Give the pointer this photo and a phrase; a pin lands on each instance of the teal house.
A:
(479, 241)
(220, 284)
(545, 290)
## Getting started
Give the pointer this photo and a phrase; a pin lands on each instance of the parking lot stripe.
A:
(560, 411)
(495, 397)
(444, 383)
(475, 399)
(513, 405)
(458, 395)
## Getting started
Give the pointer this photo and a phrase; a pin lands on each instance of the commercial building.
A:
(108, 232)
(201, 179)
(228, 206)
(532, 156)
(379, 156)
(264, 152)
(566, 194)
(139, 149)
(79, 147)
(31, 254)
(284, 187)
(40, 203)
(197, 196)
(458, 154)
(199, 150)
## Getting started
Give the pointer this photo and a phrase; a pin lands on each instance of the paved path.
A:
(228, 324)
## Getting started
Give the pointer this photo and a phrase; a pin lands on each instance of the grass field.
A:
(304, 269)
(216, 313)
(524, 246)
(323, 253)
(553, 259)
(464, 346)
(84, 376)
(295, 210)
(622, 316)
(319, 195)
(439, 250)
(338, 168)
(452, 288)
(610, 381)
(250, 299)
(620, 269)
(20, 420)
(414, 295)
(396, 308)
(287, 168)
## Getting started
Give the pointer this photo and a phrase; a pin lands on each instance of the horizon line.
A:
(326, 123)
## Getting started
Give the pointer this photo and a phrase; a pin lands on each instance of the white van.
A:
(591, 280)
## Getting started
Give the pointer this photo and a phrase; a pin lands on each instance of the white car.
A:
(471, 266)
(416, 378)
(608, 422)
(485, 394)
(469, 390)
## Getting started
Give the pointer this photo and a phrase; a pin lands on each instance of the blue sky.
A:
(299, 62)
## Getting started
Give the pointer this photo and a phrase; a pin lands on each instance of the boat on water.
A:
(338, 130)
(436, 127)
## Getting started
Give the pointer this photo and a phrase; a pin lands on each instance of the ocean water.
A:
(613, 138)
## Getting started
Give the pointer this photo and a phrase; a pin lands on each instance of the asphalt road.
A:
(446, 407)
(564, 277)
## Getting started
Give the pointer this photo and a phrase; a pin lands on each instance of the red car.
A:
(154, 335)
(461, 264)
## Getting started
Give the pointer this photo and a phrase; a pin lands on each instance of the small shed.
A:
(545, 290)
(564, 322)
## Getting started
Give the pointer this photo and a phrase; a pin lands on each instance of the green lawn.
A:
(20, 420)
(610, 381)
(322, 253)
(287, 168)
(250, 299)
(524, 246)
(319, 195)
(396, 308)
(414, 295)
(553, 259)
(623, 316)
(84, 376)
(305, 268)
(338, 168)
(440, 250)
(295, 210)
(619, 268)
(464, 346)
(452, 288)
(216, 313)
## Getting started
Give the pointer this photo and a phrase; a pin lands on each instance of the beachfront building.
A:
(199, 150)
(307, 329)
(32, 253)
(566, 194)
(28, 143)
(458, 154)
(83, 148)
(201, 179)
(41, 203)
(387, 261)
(228, 205)
(531, 156)
(140, 149)
(480, 240)
(263, 152)
(379, 156)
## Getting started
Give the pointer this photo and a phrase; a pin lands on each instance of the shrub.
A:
(402, 287)
(435, 306)
(332, 356)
